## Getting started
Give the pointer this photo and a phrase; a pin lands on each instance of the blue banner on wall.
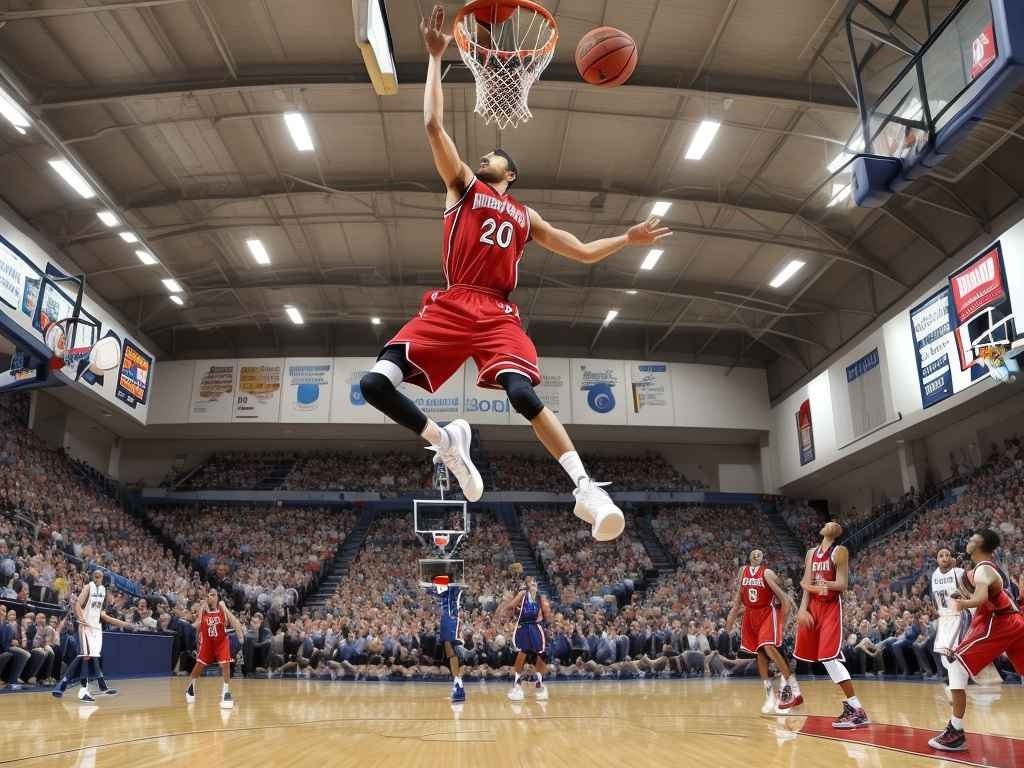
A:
(931, 323)
(858, 368)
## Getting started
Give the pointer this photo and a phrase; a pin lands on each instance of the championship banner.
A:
(258, 390)
(483, 406)
(213, 387)
(307, 389)
(931, 326)
(347, 403)
(599, 393)
(650, 395)
(981, 302)
(14, 272)
(133, 378)
(805, 433)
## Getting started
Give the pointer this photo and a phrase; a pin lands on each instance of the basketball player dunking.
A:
(529, 636)
(997, 628)
(87, 612)
(765, 607)
(214, 646)
(485, 232)
(450, 605)
(819, 634)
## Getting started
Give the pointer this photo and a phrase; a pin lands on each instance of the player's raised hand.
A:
(434, 39)
(647, 232)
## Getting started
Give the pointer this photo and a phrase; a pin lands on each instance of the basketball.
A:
(606, 56)
(495, 12)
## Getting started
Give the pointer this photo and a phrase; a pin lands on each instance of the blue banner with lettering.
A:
(858, 368)
(931, 323)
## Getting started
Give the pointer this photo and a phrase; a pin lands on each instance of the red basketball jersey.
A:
(823, 568)
(999, 600)
(484, 236)
(211, 624)
(755, 593)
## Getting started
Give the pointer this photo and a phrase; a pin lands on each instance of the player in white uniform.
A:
(946, 583)
(89, 613)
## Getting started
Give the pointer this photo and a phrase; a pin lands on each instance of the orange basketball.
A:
(495, 12)
(606, 56)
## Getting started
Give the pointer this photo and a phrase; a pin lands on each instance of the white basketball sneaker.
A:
(226, 702)
(770, 702)
(595, 506)
(190, 694)
(516, 694)
(456, 459)
(541, 693)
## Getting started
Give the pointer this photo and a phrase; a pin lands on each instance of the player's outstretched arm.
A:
(116, 622)
(508, 604)
(455, 173)
(566, 244)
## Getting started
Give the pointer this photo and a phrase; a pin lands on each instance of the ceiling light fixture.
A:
(702, 139)
(651, 260)
(172, 285)
(146, 257)
(787, 272)
(109, 218)
(631, 292)
(74, 179)
(840, 192)
(129, 237)
(293, 314)
(299, 130)
(178, 300)
(14, 114)
(660, 208)
(612, 314)
(375, 321)
(259, 253)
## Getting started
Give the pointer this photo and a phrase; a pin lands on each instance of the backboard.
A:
(455, 570)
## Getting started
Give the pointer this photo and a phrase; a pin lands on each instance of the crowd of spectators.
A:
(648, 472)
(265, 554)
(387, 472)
(237, 470)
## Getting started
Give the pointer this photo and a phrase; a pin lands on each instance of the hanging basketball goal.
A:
(506, 44)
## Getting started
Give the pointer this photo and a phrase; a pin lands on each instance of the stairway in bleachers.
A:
(526, 556)
(661, 559)
(342, 560)
(792, 548)
(277, 473)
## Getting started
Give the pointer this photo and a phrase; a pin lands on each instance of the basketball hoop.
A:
(506, 55)
(1000, 367)
(441, 540)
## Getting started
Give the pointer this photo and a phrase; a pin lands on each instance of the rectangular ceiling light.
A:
(146, 258)
(702, 139)
(73, 178)
(373, 37)
(660, 208)
(129, 237)
(259, 253)
(109, 218)
(651, 259)
(375, 321)
(299, 130)
(172, 285)
(612, 314)
(13, 113)
(787, 272)
(294, 315)
(841, 159)
(840, 192)
(178, 300)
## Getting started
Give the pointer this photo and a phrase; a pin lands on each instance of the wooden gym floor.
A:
(287, 723)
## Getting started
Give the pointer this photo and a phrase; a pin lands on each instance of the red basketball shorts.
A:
(824, 640)
(460, 323)
(761, 626)
(989, 637)
(214, 650)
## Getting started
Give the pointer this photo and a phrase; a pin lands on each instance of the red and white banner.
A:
(978, 285)
(983, 51)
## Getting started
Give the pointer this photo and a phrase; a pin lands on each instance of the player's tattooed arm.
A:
(565, 243)
(734, 611)
(455, 173)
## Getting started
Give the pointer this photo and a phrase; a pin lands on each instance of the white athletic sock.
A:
(854, 702)
(224, 688)
(540, 679)
(458, 680)
(794, 684)
(573, 466)
(957, 723)
(516, 680)
(446, 440)
(768, 686)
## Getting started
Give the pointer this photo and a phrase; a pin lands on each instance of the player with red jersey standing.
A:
(214, 646)
(765, 607)
(997, 628)
(819, 634)
(485, 233)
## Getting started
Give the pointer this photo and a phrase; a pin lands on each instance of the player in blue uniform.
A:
(450, 599)
(533, 609)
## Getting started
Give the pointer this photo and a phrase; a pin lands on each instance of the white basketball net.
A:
(506, 59)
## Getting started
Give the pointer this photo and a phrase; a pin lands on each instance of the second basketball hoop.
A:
(506, 44)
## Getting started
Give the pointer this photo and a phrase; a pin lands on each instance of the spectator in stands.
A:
(256, 650)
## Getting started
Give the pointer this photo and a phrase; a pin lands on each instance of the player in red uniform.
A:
(214, 646)
(819, 634)
(485, 232)
(765, 607)
(997, 628)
